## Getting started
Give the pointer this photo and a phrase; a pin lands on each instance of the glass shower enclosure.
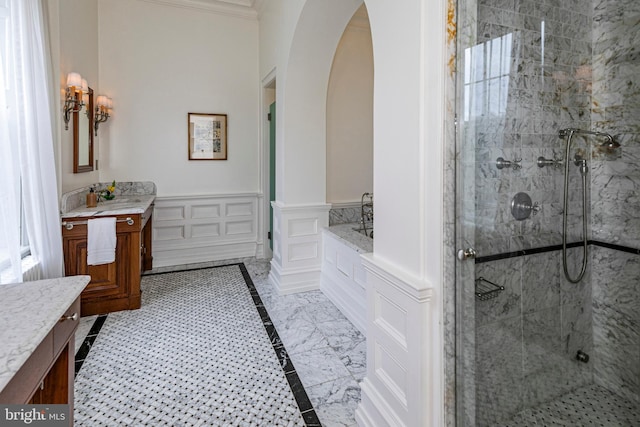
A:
(548, 185)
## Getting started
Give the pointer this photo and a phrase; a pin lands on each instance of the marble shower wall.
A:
(615, 194)
(528, 336)
(528, 76)
(616, 109)
(616, 322)
(531, 68)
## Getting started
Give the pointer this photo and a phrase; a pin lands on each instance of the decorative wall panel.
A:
(204, 228)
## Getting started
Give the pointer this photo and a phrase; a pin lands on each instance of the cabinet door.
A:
(107, 279)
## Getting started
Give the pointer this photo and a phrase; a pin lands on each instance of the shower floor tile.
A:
(587, 406)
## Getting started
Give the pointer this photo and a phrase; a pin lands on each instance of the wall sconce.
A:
(104, 105)
(72, 103)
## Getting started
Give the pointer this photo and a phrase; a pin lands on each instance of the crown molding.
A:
(237, 8)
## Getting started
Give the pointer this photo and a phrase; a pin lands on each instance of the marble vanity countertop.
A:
(352, 238)
(121, 205)
(76, 199)
(28, 312)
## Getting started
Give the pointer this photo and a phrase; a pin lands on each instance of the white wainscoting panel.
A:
(343, 279)
(193, 229)
(403, 351)
(297, 246)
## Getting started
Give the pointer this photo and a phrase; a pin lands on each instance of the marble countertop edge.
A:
(118, 206)
(350, 237)
(29, 312)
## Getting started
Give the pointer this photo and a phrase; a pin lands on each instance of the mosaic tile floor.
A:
(326, 349)
(184, 359)
(588, 406)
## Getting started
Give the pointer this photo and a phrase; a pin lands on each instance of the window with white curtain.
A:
(4, 71)
(29, 214)
(9, 210)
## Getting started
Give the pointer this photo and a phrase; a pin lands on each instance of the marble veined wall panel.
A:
(527, 77)
(616, 322)
(616, 99)
(534, 68)
(615, 193)
(538, 322)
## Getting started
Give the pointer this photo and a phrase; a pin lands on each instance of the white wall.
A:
(159, 63)
(350, 114)
(77, 44)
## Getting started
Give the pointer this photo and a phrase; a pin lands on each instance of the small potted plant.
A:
(108, 193)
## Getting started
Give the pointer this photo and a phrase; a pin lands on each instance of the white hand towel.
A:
(101, 241)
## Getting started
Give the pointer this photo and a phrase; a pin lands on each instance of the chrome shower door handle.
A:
(468, 253)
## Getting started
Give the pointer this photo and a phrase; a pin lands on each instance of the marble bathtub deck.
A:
(349, 234)
(329, 353)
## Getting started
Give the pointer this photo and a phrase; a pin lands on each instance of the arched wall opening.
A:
(350, 119)
(303, 136)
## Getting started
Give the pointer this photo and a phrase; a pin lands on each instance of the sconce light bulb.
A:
(85, 86)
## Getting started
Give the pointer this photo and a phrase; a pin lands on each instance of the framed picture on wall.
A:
(207, 136)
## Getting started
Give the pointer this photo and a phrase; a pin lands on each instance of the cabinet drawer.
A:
(25, 382)
(66, 326)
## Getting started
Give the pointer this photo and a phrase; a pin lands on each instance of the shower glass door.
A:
(531, 346)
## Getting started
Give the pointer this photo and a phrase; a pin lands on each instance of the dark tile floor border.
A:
(299, 393)
(86, 345)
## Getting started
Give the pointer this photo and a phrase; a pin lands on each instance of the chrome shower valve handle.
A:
(501, 163)
(522, 207)
(536, 208)
(542, 162)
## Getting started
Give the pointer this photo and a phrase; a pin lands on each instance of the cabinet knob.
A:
(74, 316)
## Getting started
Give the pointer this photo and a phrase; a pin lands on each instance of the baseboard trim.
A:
(206, 253)
(300, 280)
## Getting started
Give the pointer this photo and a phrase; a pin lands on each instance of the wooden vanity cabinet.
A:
(47, 375)
(114, 286)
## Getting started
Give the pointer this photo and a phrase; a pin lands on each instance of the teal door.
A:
(272, 167)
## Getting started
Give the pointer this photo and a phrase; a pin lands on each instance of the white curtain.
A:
(29, 86)
(9, 193)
